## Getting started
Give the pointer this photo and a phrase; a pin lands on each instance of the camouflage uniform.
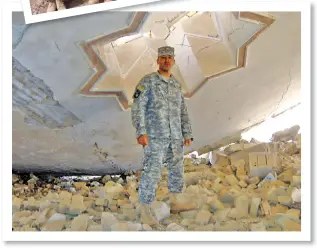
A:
(159, 111)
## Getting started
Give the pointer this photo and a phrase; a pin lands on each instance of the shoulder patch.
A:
(140, 88)
(136, 93)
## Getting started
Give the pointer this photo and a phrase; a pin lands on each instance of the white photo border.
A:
(6, 92)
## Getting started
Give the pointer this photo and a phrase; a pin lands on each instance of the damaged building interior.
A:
(76, 163)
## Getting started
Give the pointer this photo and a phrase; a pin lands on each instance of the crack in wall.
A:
(283, 94)
(102, 155)
(201, 49)
(233, 30)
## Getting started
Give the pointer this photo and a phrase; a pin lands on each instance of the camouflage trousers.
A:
(155, 153)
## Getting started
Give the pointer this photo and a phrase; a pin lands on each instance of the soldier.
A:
(163, 127)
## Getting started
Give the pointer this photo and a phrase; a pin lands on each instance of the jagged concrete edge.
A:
(32, 106)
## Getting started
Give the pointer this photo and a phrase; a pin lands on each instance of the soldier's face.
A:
(165, 62)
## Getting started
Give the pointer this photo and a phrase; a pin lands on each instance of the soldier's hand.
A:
(143, 140)
(187, 142)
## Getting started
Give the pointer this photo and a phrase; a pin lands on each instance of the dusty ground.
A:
(40, 6)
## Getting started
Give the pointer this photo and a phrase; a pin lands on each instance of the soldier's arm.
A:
(140, 100)
(186, 124)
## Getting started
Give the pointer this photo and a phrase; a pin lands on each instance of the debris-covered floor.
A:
(43, 6)
(250, 187)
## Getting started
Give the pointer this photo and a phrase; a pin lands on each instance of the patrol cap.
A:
(166, 51)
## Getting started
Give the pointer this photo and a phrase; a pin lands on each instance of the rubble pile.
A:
(251, 187)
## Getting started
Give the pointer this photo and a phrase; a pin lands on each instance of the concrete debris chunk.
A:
(161, 210)
(174, 227)
(287, 224)
(286, 176)
(27, 229)
(56, 217)
(57, 225)
(232, 180)
(293, 214)
(16, 204)
(266, 208)
(253, 180)
(107, 220)
(134, 226)
(203, 217)
(274, 229)
(209, 227)
(113, 190)
(94, 228)
(189, 214)
(278, 209)
(296, 181)
(230, 226)
(285, 200)
(221, 215)
(241, 174)
(258, 227)
(286, 134)
(255, 203)
(193, 189)
(187, 222)
(184, 202)
(244, 154)
(216, 205)
(220, 158)
(100, 202)
(17, 215)
(268, 177)
(95, 184)
(242, 206)
(77, 205)
(226, 197)
(33, 179)
(65, 197)
(80, 223)
(146, 227)
(243, 184)
(296, 195)
(15, 178)
(237, 147)
(105, 179)
(80, 185)
(26, 221)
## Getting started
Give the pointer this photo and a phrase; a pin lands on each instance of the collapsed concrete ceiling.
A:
(73, 80)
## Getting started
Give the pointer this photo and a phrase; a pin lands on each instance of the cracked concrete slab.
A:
(225, 106)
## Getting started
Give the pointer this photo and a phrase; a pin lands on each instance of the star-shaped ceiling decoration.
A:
(207, 45)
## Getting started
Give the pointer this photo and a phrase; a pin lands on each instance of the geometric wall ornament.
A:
(207, 45)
